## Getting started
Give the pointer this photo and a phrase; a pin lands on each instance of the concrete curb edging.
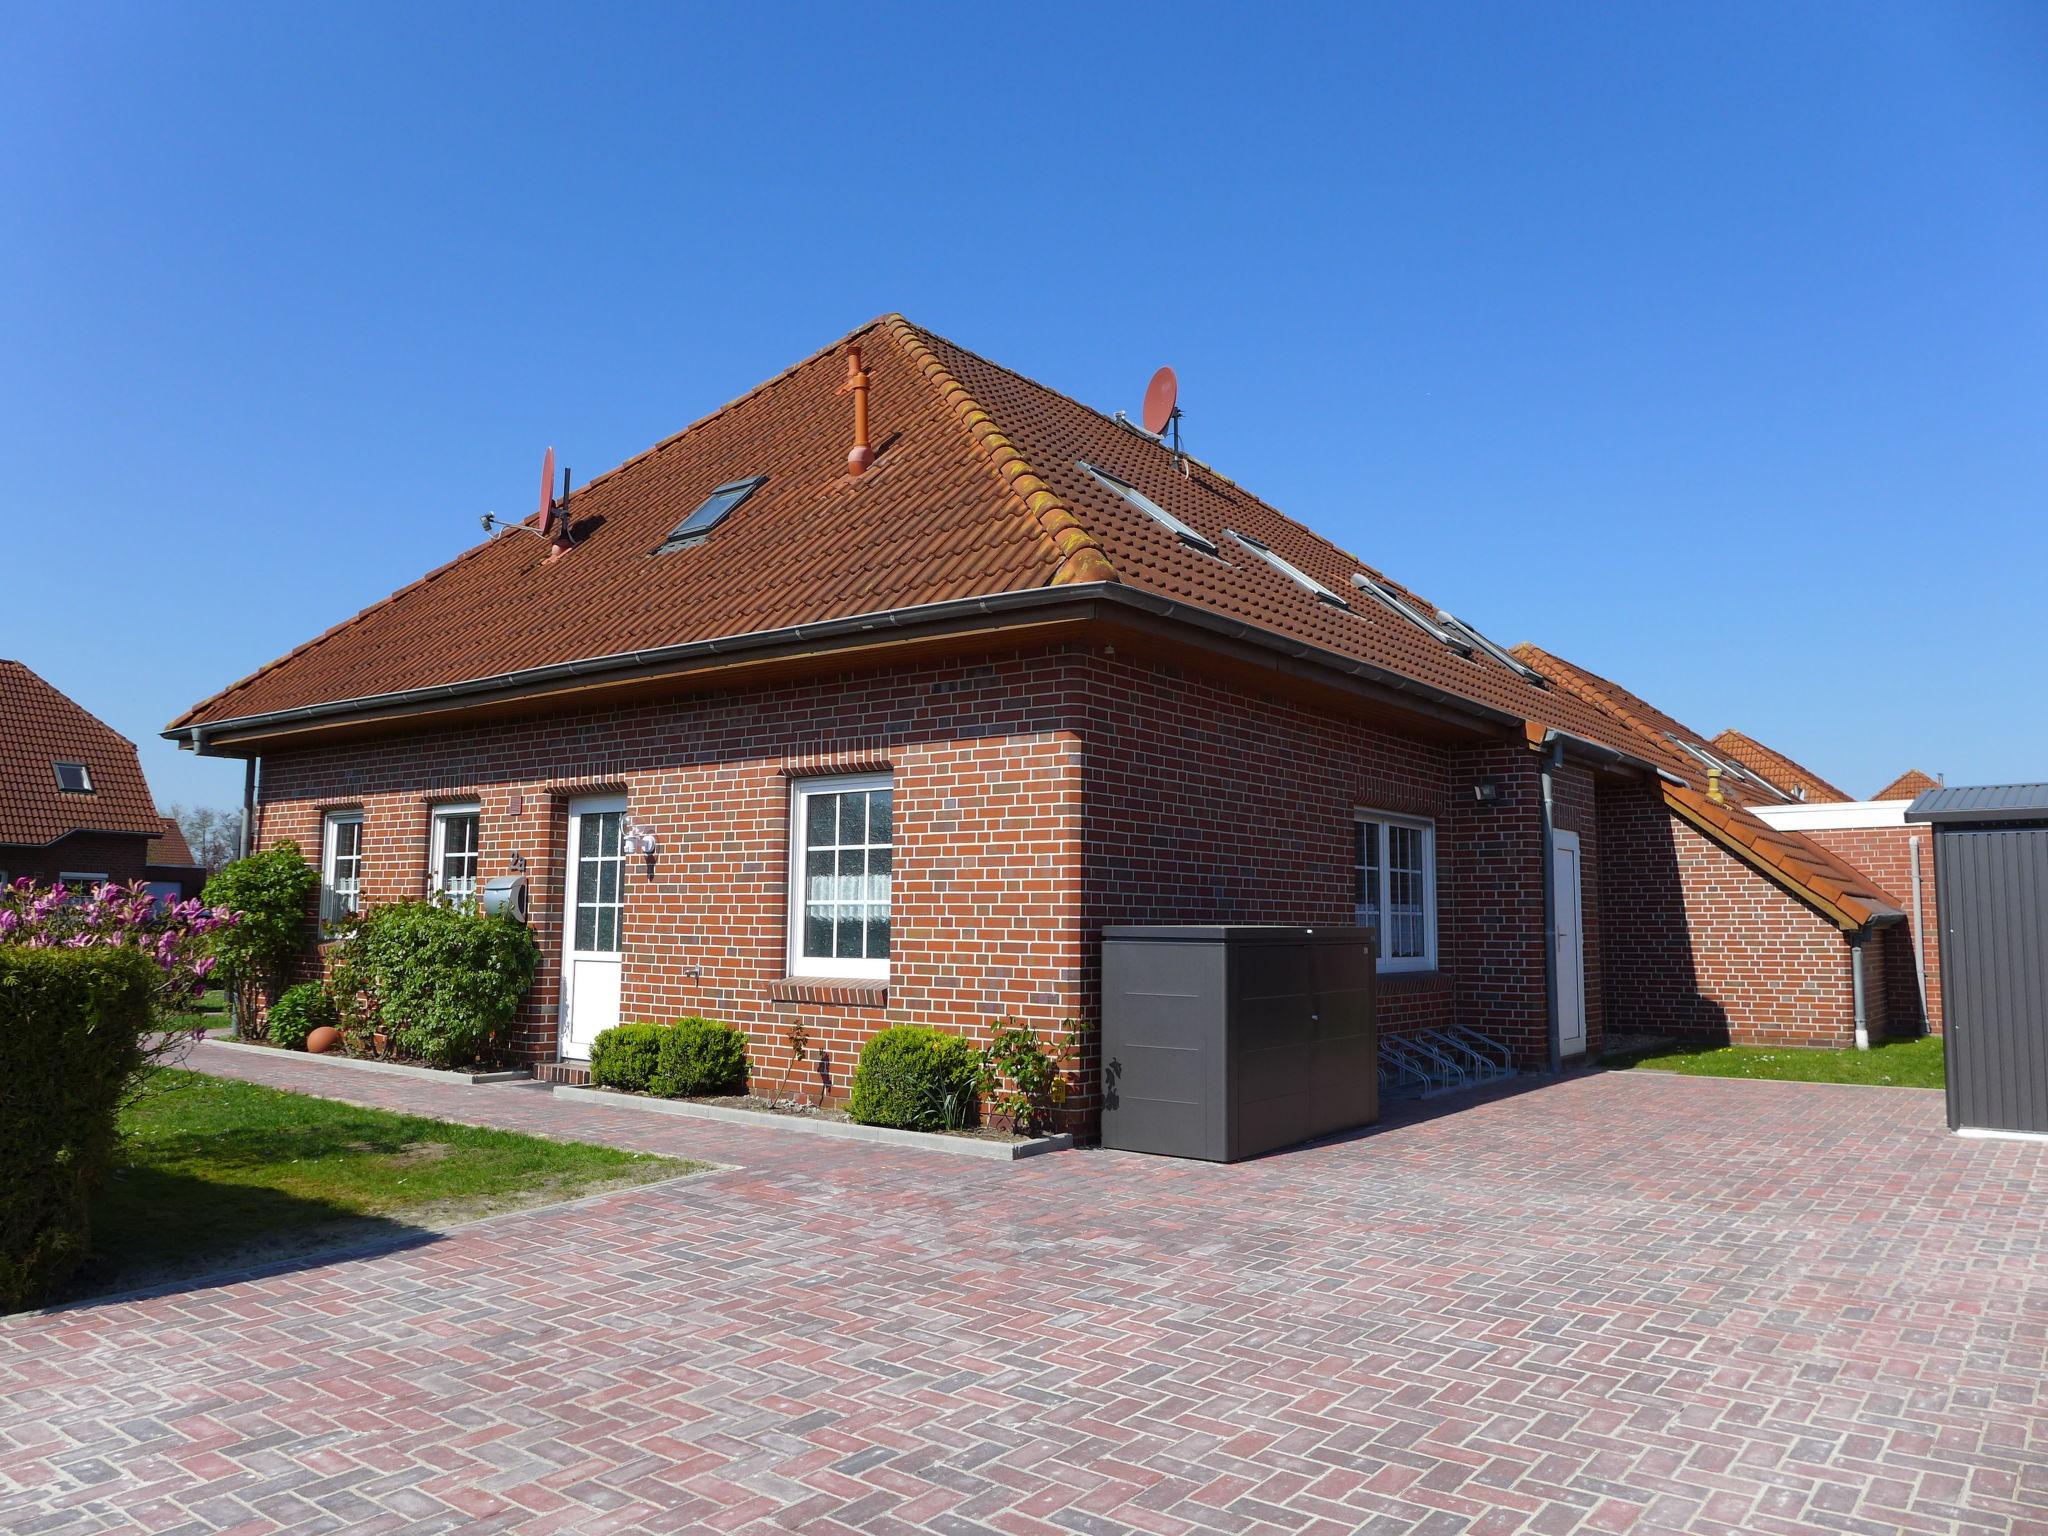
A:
(923, 1141)
(360, 1064)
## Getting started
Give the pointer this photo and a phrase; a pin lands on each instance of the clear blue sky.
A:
(1704, 345)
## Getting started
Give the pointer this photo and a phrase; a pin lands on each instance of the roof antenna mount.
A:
(1162, 413)
(553, 513)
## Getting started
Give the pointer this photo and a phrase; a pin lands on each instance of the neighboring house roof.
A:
(1908, 785)
(1777, 767)
(169, 847)
(977, 492)
(1818, 875)
(44, 728)
(1981, 803)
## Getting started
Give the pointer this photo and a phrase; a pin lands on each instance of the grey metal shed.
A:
(1991, 880)
(1222, 1042)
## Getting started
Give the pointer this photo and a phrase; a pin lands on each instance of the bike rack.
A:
(1420, 1064)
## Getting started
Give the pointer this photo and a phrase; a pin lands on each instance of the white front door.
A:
(1568, 943)
(593, 937)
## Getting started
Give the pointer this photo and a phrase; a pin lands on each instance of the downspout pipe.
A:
(1919, 940)
(1856, 988)
(251, 768)
(1552, 760)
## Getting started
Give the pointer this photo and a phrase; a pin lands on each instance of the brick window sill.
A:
(823, 989)
(1411, 981)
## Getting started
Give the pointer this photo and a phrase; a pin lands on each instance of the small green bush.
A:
(75, 1026)
(626, 1056)
(444, 982)
(699, 1056)
(299, 1012)
(916, 1078)
(273, 892)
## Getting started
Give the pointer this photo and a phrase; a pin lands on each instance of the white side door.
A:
(593, 927)
(1568, 943)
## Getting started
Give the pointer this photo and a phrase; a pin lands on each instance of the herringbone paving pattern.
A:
(1612, 1303)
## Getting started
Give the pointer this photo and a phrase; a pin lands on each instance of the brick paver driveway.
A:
(1611, 1303)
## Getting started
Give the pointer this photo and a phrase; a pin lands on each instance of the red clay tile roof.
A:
(1907, 786)
(1776, 767)
(43, 728)
(1818, 875)
(976, 491)
(169, 846)
(1822, 877)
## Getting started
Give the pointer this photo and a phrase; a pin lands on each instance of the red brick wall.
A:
(1210, 803)
(1038, 797)
(1885, 854)
(119, 856)
(987, 888)
(1695, 943)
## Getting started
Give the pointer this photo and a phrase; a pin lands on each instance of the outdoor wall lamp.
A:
(1486, 791)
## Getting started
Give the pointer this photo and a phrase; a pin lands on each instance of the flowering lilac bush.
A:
(173, 934)
(88, 980)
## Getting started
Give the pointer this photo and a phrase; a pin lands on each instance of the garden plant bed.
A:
(378, 1064)
(1898, 1064)
(221, 1175)
(747, 1109)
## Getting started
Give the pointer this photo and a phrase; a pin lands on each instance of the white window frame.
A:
(331, 912)
(800, 964)
(86, 878)
(1364, 816)
(437, 864)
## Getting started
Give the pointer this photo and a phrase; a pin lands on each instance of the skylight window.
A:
(1733, 770)
(1149, 507)
(710, 513)
(1289, 569)
(1514, 664)
(1388, 598)
(73, 778)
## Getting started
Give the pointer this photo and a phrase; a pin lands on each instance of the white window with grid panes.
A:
(341, 867)
(455, 851)
(1394, 877)
(842, 865)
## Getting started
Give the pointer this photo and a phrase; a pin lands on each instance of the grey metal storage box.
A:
(1991, 887)
(1225, 1042)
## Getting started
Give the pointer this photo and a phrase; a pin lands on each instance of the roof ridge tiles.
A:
(1082, 557)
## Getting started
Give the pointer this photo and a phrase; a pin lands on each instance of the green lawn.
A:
(210, 1013)
(1902, 1064)
(217, 1174)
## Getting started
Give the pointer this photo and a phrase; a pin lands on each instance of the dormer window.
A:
(1289, 569)
(712, 511)
(73, 778)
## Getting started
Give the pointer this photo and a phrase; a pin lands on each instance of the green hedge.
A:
(699, 1056)
(445, 982)
(74, 1027)
(625, 1056)
(301, 1010)
(917, 1079)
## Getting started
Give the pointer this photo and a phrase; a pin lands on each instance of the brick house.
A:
(791, 735)
(73, 803)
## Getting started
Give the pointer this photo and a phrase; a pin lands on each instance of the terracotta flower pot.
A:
(323, 1039)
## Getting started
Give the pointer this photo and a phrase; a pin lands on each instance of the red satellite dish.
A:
(1161, 396)
(547, 490)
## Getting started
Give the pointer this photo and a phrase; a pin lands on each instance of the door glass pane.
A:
(823, 820)
(878, 935)
(600, 882)
(848, 942)
(881, 817)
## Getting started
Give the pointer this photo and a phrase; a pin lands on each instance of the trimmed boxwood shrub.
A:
(299, 1012)
(917, 1079)
(74, 1038)
(625, 1056)
(699, 1056)
(445, 982)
